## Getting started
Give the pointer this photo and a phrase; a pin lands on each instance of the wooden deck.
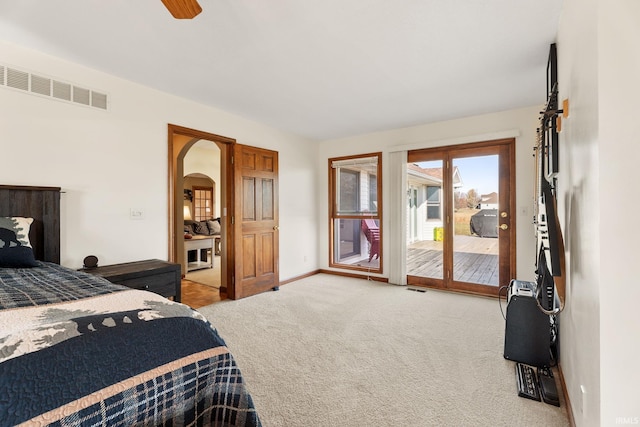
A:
(475, 260)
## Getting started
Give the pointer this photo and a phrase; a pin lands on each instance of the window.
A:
(355, 217)
(373, 192)
(202, 203)
(433, 203)
(349, 191)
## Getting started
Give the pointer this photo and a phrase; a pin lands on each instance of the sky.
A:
(480, 173)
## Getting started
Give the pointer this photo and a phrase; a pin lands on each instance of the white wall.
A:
(521, 123)
(619, 152)
(110, 161)
(599, 65)
(578, 202)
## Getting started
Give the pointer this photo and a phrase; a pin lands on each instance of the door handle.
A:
(504, 226)
(275, 227)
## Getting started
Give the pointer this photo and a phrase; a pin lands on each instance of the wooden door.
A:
(255, 220)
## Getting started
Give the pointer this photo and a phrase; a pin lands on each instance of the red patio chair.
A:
(372, 233)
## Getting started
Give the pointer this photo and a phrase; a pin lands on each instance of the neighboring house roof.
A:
(491, 198)
(433, 175)
(425, 176)
(434, 172)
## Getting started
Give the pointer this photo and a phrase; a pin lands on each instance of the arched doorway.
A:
(180, 141)
(202, 215)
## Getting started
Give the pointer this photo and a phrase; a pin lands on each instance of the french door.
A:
(461, 201)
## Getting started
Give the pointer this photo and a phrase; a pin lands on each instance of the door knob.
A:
(275, 227)
(504, 226)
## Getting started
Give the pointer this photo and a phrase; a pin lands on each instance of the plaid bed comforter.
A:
(76, 350)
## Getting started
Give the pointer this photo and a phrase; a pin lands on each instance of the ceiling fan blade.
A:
(183, 9)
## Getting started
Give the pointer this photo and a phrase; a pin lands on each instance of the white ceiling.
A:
(319, 68)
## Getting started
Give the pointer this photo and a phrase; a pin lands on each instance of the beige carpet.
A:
(207, 276)
(335, 351)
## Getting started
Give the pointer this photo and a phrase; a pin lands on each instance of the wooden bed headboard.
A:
(43, 205)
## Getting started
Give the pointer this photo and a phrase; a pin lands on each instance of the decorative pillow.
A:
(15, 247)
(214, 227)
(201, 228)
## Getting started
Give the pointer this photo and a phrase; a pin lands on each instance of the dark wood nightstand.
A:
(153, 275)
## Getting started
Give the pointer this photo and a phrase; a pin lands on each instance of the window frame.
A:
(197, 210)
(335, 215)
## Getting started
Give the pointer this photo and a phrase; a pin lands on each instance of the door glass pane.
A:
(424, 218)
(476, 209)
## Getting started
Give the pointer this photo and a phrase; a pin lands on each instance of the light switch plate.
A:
(136, 213)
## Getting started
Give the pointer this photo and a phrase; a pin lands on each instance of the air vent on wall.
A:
(41, 85)
(14, 78)
(62, 90)
(81, 95)
(98, 100)
(17, 79)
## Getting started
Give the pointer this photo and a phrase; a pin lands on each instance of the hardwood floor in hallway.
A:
(197, 295)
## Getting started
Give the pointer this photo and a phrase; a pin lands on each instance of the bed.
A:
(76, 350)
